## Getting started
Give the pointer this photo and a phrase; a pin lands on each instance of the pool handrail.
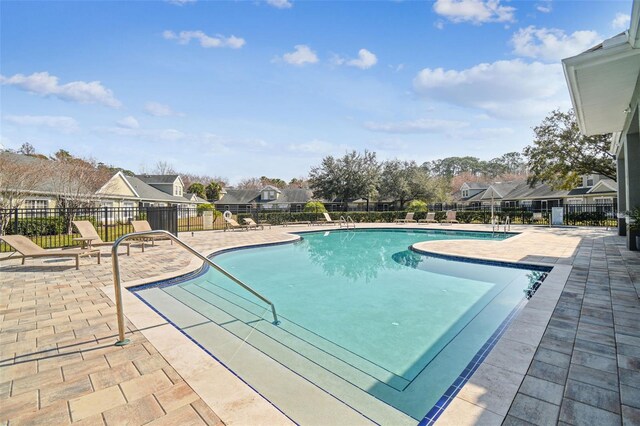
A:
(350, 219)
(117, 280)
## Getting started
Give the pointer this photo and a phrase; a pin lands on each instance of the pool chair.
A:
(451, 217)
(252, 223)
(431, 218)
(90, 238)
(27, 248)
(327, 220)
(407, 219)
(142, 226)
(232, 224)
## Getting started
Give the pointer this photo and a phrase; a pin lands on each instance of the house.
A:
(116, 190)
(267, 198)
(604, 84)
(594, 190)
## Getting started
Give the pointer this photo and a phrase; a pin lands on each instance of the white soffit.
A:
(602, 83)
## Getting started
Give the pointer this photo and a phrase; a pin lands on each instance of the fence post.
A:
(106, 224)
(15, 222)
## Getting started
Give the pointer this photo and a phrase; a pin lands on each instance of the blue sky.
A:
(251, 88)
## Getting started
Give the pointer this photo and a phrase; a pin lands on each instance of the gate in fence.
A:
(165, 218)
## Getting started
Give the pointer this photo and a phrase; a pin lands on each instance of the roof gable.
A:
(118, 185)
(604, 185)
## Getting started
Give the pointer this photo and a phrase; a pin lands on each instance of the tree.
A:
(212, 191)
(198, 189)
(301, 183)
(402, 181)
(250, 183)
(26, 149)
(164, 168)
(417, 206)
(19, 177)
(278, 183)
(314, 207)
(560, 154)
(348, 178)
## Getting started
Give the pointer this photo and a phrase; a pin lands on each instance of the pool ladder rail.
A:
(346, 221)
(495, 225)
(140, 235)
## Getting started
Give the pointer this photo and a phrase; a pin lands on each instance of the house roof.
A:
(148, 192)
(499, 190)
(247, 196)
(603, 186)
(157, 179)
(271, 188)
(475, 185)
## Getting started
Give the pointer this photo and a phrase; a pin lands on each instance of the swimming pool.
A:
(364, 319)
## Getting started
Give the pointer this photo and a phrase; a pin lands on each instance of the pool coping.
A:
(191, 364)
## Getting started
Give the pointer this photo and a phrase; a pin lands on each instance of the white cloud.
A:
(551, 44)
(364, 61)
(474, 11)
(180, 2)
(62, 124)
(128, 123)
(280, 4)
(506, 89)
(544, 7)
(316, 148)
(184, 37)
(300, 56)
(44, 84)
(160, 110)
(422, 125)
(621, 21)
(154, 135)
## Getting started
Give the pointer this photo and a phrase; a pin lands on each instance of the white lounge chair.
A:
(142, 226)
(232, 224)
(451, 217)
(431, 218)
(408, 218)
(252, 223)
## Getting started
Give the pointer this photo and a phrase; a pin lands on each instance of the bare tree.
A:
(250, 183)
(164, 168)
(20, 176)
(190, 178)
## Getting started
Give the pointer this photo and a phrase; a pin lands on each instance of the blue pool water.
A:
(396, 324)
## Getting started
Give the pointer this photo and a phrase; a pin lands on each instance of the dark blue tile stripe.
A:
(471, 368)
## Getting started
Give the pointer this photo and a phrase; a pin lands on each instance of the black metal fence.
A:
(53, 228)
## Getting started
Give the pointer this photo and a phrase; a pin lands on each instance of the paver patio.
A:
(58, 363)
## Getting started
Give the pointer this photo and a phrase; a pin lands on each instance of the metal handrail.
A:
(349, 218)
(117, 280)
(343, 220)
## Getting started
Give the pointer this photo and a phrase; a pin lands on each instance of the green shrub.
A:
(37, 226)
(417, 206)
(314, 206)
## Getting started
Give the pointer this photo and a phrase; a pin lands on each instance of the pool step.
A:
(219, 329)
(350, 367)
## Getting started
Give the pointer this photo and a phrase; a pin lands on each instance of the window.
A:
(36, 204)
(604, 200)
(526, 203)
(589, 180)
(574, 201)
(465, 193)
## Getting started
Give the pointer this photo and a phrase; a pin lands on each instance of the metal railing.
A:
(140, 235)
(349, 219)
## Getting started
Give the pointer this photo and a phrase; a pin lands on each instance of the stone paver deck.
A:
(58, 364)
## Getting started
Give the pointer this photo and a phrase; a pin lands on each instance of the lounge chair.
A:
(28, 248)
(537, 217)
(299, 222)
(90, 237)
(327, 220)
(232, 224)
(408, 218)
(431, 218)
(142, 226)
(451, 217)
(252, 223)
